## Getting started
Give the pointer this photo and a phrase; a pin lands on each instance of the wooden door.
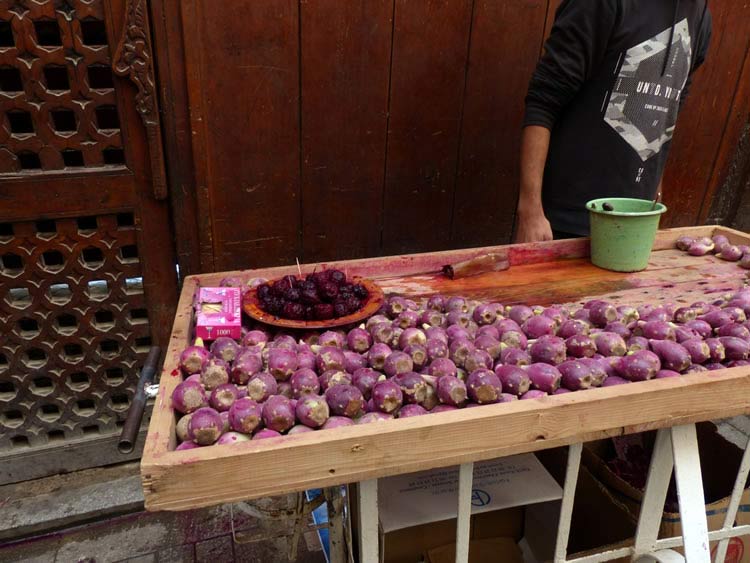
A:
(87, 277)
(334, 129)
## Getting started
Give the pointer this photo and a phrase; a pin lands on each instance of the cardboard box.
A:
(418, 510)
(493, 550)
(218, 313)
(600, 522)
(409, 545)
(720, 461)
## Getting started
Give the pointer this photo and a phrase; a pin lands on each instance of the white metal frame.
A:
(675, 448)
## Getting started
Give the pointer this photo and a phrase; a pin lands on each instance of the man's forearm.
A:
(534, 149)
(531, 224)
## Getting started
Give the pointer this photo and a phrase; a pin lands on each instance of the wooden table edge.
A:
(158, 461)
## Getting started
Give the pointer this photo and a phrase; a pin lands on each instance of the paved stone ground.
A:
(97, 516)
(196, 536)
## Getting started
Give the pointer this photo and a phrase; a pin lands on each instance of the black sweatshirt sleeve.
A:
(574, 49)
(701, 50)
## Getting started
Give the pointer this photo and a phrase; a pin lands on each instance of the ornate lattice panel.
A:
(58, 105)
(74, 328)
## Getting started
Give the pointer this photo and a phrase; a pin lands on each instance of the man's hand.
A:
(532, 226)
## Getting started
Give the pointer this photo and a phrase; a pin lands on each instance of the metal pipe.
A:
(135, 413)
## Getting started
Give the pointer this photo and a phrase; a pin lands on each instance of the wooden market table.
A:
(540, 274)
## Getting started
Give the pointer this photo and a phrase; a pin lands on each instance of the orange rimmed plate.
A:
(251, 307)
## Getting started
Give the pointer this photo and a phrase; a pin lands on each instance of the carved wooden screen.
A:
(87, 280)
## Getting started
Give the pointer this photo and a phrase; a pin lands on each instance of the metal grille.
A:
(74, 328)
(58, 107)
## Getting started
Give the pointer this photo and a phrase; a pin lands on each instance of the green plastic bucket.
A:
(623, 234)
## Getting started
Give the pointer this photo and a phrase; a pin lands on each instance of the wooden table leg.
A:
(675, 448)
(336, 536)
(566, 508)
(463, 522)
(368, 522)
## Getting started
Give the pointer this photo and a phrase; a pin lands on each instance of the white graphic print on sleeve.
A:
(644, 104)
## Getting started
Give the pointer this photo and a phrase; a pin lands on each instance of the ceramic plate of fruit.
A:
(318, 300)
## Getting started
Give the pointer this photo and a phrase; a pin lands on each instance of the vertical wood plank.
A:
(488, 170)
(704, 118)
(368, 521)
(568, 501)
(430, 48)
(336, 537)
(346, 52)
(689, 481)
(244, 97)
(194, 53)
(169, 56)
(739, 115)
(734, 502)
(463, 521)
(154, 232)
(655, 495)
